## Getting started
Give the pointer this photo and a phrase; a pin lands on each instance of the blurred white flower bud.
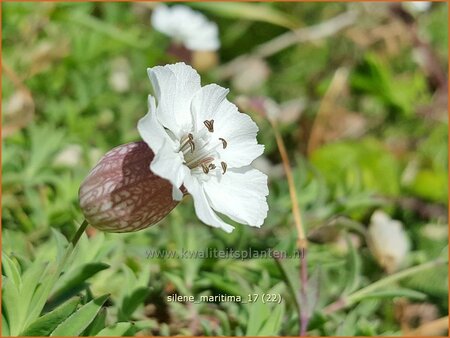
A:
(250, 75)
(70, 156)
(119, 77)
(417, 6)
(186, 26)
(387, 241)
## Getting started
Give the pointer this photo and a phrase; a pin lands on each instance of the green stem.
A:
(354, 297)
(394, 277)
(79, 232)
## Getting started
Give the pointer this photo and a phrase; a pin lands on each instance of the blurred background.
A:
(359, 93)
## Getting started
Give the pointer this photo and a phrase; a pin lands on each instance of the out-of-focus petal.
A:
(187, 26)
(161, 19)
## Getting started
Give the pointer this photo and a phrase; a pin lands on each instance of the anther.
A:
(224, 167)
(205, 169)
(224, 143)
(212, 166)
(209, 124)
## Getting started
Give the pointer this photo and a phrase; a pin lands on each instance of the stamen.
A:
(210, 125)
(199, 161)
(201, 153)
(192, 145)
(224, 143)
(187, 142)
(224, 167)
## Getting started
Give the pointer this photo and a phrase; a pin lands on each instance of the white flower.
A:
(387, 240)
(417, 6)
(186, 26)
(202, 141)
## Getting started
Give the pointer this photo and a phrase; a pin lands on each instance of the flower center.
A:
(200, 150)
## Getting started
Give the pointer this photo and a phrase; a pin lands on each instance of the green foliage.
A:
(31, 286)
(116, 330)
(398, 94)
(75, 324)
(44, 325)
(357, 171)
(264, 320)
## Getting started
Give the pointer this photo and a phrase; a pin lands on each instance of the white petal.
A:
(240, 151)
(239, 131)
(174, 87)
(177, 194)
(206, 102)
(202, 207)
(240, 194)
(163, 83)
(150, 129)
(168, 164)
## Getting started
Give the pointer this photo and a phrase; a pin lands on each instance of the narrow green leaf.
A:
(42, 292)
(116, 330)
(348, 325)
(273, 324)
(225, 325)
(5, 326)
(400, 292)
(290, 273)
(249, 11)
(76, 277)
(145, 324)
(60, 243)
(31, 279)
(131, 302)
(224, 285)
(98, 324)
(258, 314)
(354, 268)
(44, 289)
(313, 290)
(44, 325)
(179, 283)
(78, 321)
(10, 306)
(11, 270)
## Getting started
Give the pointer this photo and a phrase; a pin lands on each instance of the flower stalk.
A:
(301, 238)
(79, 232)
